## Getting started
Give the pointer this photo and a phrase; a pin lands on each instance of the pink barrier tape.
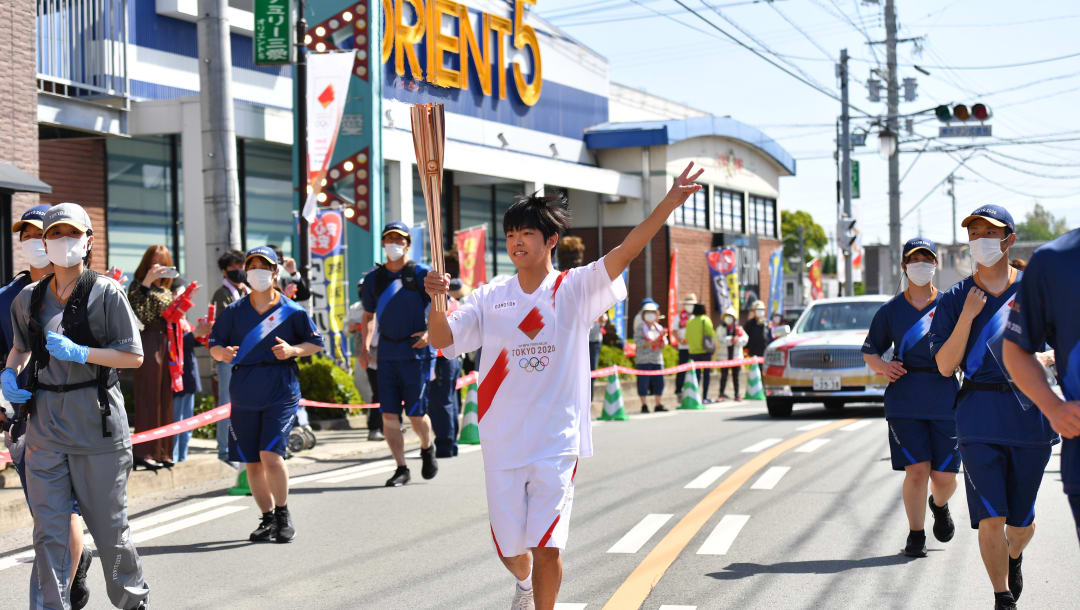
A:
(712, 364)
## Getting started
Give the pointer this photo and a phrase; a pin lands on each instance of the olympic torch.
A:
(429, 136)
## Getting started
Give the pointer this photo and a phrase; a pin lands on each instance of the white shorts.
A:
(529, 507)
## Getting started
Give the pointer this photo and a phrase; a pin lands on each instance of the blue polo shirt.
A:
(1001, 418)
(921, 393)
(400, 312)
(7, 297)
(1046, 313)
(263, 387)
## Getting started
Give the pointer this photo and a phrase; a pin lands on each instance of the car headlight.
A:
(775, 357)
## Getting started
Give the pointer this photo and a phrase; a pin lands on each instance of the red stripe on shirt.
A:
(574, 474)
(497, 549)
(547, 535)
(491, 383)
(558, 282)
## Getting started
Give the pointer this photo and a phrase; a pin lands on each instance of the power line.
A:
(1033, 62)
(1019, 192)
(1032, 161)
(1030, 172)
(935, 187)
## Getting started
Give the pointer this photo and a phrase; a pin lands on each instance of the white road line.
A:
(142, 523)
(671, 607)
(640, 534)
(762, 446)
(15, 559)
(812, 445)
(319, 476)
(708, 477)
(723, 535)
(771, 477)
(813, 426)
(859, 424)
(144, 535)
(360, 475)
(659, 415)
(566, 606)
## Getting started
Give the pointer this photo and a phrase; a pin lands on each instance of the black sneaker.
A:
(80, 592)
(401, 477)
(660, 408)
(285, 530)
(1016, 577)
(431, 465)
(944, 529)
(267, 529)
(644, 408)
(1004, 601)
(916, 544)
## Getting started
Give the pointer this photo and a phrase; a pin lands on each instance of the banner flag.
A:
(776, 283)
(672, 296)
(471, 247)
(328, 79)
(816, 290)
(329, 303)
(725, 277)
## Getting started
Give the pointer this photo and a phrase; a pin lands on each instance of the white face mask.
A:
(986, 250)
(649, 317)
(394, 251)
(260, 279)
(67, 251)
(34, 250)
(920, 274)
(688, 308)
(759, 314)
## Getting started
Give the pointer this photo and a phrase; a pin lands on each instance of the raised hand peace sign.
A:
(683, 187)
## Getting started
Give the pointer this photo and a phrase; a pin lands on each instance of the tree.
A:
(814, 239)
(1040, 225)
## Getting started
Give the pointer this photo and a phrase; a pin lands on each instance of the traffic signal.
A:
(961, 112)
(846, 233)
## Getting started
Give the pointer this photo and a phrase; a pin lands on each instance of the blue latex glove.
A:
(10, 386)
(62, 348)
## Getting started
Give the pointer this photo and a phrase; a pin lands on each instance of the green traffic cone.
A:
(755, 391)
(470, 428)
(241, 488)
(613, 402)
(690, 397)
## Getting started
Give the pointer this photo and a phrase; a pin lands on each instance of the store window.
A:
(728, 211)
(762, 216)
(695, 212)
(143, 191)
(485, 205)
(504, 197)
(267, 203)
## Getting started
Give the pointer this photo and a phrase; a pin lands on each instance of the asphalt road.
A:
(723, 508)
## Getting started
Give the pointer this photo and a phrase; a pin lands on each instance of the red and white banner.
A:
(816, 289)
(672, 295)
(471, 245)
(328, 76)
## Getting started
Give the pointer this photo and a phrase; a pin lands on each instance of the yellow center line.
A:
(633, 592)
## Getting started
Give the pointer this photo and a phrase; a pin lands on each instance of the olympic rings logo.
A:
(534, 364)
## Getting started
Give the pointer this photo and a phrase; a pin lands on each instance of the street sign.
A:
(857, 139)
(854, 179)
(273, 32)
(964, 131)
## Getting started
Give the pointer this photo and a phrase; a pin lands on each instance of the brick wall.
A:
(76, 170)
(693, 270)
(18, 96)
(613, 236)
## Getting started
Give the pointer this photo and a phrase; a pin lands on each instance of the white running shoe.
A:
(523, 600)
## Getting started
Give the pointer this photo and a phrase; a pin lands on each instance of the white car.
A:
(821, 361)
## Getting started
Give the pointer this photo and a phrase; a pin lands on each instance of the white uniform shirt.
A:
(534, 394)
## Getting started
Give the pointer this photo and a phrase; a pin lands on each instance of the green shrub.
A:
(323, 381)
(671, 356)
(611, 356)
(204, 401)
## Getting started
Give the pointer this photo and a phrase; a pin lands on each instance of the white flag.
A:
(328, 76)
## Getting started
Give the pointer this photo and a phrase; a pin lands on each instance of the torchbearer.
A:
(534, 394)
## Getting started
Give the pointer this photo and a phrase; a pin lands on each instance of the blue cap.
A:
(35, 216)
(994, 214)
(397, 227)
(646, 301)
(919, 243)
(265, 252)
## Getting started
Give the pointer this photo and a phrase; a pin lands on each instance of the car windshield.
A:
(854, 315)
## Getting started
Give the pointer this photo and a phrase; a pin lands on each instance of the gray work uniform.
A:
(66, 453)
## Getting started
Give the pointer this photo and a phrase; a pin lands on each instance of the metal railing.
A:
(82, 49)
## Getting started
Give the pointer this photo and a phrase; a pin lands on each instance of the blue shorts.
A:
(1074, 502)
(255, 430)
(912, 441)
(1070, 465)
(403, 385)
(1002, 481)
(650, 385)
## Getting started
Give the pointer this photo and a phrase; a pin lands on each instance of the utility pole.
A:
(893, 125)
(300, 78)
(845, 173)
(220, 185)
(952, 193)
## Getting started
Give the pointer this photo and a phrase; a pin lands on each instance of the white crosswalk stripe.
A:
(569, 606)
(723, 535)
(812, 445)
(638, 535)
(857, 425)
(762, 446)
(771, 477)
(813, 425)
(707, 478)
(671, 607)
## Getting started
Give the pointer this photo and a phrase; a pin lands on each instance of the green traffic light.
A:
(943, 112)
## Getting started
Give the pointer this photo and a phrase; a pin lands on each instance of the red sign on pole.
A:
(471, 247)
(672, 295)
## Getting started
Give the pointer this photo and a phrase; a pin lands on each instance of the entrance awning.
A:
(14, 180)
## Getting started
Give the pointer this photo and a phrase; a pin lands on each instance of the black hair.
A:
(699, 309)
(279, 253)
(230, 258)
(549, 215)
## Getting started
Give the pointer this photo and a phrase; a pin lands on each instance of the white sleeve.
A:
(466, 324)
(593, 290)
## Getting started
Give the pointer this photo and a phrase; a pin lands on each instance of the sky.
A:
(961, 44)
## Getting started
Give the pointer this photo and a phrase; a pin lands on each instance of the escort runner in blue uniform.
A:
(262, 334)
(919, 400)
(393, 296)
(1046, 312)
(1004, 441)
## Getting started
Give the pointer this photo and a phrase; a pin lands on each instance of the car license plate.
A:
(826, 383)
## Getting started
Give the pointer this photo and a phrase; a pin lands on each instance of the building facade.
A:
(111, 118)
